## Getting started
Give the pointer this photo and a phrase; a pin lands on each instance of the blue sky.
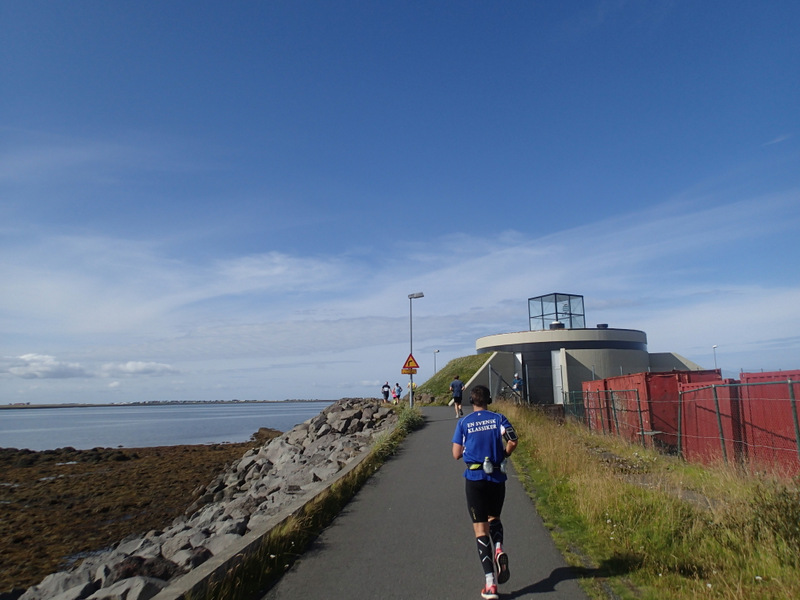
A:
(207, 200)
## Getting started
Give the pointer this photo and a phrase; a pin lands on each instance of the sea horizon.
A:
(148, 424)
(152, 403)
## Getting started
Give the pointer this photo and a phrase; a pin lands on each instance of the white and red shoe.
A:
(490, 592)
(501, 564)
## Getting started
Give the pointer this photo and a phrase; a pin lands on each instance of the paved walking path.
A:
(407, 534)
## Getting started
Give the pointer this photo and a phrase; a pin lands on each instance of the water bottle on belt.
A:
(488, 467)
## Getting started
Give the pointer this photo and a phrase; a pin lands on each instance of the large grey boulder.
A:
(76, 593)
(134, 588)
(56, 583)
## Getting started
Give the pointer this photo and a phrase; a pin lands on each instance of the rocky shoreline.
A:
(263, 482)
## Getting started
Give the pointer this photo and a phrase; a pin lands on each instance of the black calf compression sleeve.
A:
(496, 531)
(485, 554)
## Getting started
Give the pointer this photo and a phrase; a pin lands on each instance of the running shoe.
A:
(501, 563)
(490, 592)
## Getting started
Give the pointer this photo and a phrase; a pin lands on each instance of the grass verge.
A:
(255, 573)
(649, 526)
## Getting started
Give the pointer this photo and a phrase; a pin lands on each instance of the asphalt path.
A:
(407, 534)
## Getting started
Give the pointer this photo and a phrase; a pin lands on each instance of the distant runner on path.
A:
(485, 439)
(457, 389)
(385, 391)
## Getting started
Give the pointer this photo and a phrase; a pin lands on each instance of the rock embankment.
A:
(265, 481)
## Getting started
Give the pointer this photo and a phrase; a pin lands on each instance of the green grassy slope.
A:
(439, 385)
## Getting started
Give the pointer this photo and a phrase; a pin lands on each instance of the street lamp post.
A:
(714, 348)
(435, 352)
(411, 298)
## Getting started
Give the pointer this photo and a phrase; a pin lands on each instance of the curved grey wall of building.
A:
(581, 355)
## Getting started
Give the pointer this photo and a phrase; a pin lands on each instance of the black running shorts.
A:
(485, 499)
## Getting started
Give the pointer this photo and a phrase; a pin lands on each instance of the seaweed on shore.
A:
(57, 506)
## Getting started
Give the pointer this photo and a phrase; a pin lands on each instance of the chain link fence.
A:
(752, 424)
(500, 389)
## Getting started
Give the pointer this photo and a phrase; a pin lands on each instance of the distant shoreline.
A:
(154, 403)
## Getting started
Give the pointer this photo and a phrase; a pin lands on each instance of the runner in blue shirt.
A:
(456, 388)
(484, 439)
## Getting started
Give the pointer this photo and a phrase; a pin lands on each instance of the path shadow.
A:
(557, 576)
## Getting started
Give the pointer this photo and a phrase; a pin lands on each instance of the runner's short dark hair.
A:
(480, 395)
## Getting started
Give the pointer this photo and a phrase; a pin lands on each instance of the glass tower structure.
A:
(564, 308)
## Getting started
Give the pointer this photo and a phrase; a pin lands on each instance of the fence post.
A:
(719, 424)
(614, 411)
(641, 420)
(527, 385)
(603, 410)
(587, 416)
(794, 416)
(680, 423)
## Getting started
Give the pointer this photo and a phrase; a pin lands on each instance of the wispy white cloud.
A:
(54, 161)
(133, 368)
(95, 284)
(778, 140)
(279, 313)
(43, 158)
(40, 366)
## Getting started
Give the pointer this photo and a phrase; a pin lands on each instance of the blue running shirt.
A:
(481, 435)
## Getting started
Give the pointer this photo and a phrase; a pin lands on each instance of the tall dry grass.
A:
(653, 526)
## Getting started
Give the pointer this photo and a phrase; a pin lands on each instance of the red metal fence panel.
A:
(769, 376)
(769, 420)
(709, 417)
(705, 418)
(593, 392)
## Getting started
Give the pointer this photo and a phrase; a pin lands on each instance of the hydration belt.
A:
(479, 466)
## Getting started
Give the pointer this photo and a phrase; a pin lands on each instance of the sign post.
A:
(411, 298)
(410, 368)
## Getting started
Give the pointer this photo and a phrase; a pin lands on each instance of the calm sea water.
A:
(142, 426)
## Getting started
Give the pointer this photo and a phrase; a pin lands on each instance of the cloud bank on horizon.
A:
(241, 210)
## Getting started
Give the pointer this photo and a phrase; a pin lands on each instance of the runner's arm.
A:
(510, 446)
(510, 439)
(458, 451)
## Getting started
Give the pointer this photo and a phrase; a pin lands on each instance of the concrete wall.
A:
(599, 364)
(503, 362)
(663, 362)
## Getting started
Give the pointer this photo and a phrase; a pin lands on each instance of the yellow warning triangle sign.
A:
(411, 363)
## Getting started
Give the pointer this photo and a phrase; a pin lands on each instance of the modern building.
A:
(559, 352)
